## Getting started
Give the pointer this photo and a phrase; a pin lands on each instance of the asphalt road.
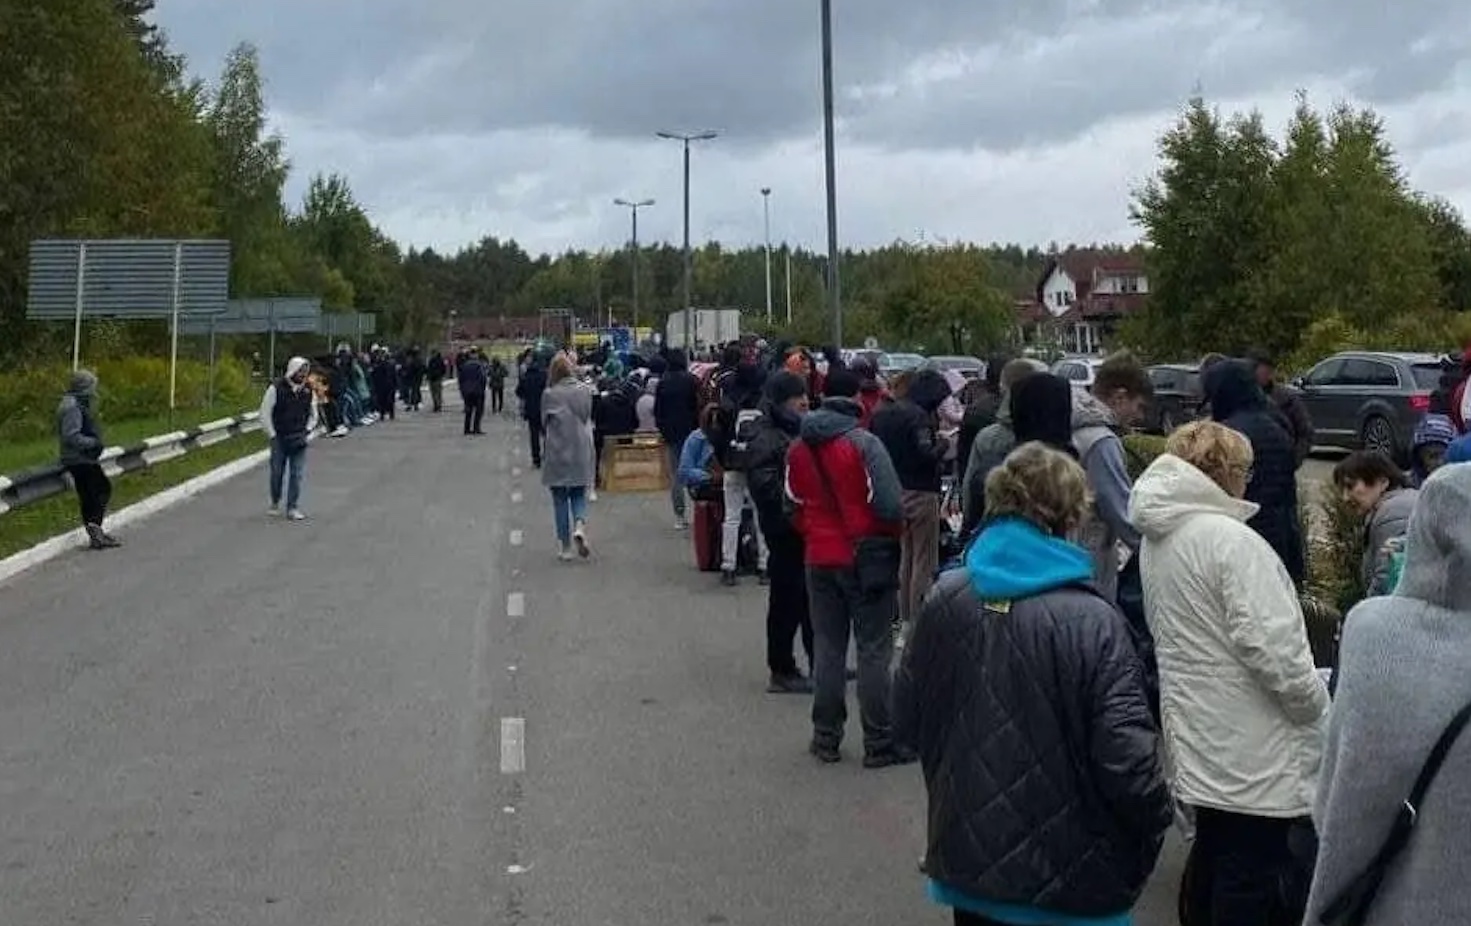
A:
(406, 711)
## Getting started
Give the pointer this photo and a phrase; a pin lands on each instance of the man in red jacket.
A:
(847, 508)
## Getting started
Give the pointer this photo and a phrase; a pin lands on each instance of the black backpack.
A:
(743, 430)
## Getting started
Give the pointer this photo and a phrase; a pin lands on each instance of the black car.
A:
(1177, 397)
(1370, 399)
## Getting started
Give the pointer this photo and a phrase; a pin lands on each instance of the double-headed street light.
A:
(689, 267)
(634, 206)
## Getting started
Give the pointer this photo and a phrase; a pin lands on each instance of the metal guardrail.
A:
(41, 482)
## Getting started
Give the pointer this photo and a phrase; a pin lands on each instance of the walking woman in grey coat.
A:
(1402, 678)
(567, 457)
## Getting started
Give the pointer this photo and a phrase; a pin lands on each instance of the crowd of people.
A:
(1083, 658)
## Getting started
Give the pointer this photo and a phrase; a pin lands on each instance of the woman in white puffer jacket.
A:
(1244, 710)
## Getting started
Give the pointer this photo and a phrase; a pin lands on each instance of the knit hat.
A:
(841, 384)
(782, 387)
(1042, 410)
(83, 382)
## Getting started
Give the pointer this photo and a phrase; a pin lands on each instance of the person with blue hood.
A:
(1235, 400)
(1023, 695)
(81, 446)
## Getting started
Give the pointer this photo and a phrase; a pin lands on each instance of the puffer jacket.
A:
(842, 483)
(907, 429)
(1244, 709)
(1239, 403)
(1389, 519)
(1023, 695)
(1101, 451)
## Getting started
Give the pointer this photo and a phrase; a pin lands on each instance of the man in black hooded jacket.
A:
(787, 612)
(1237, 401)
(909, 431)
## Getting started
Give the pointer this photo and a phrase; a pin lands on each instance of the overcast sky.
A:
(1003, 120)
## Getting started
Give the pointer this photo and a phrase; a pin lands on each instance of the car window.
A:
(1072, 371)
(1192, 384)
(1427, 376)
(1360, 371)
(1162, 379)
(1326, 373)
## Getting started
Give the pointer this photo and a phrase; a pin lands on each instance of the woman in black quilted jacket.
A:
(1023, 695)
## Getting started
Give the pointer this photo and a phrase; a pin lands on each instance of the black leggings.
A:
(94, 491)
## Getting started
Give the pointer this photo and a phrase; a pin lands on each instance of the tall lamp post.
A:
(834, 297)
(633, 206)
(766, 211)
(689, 266)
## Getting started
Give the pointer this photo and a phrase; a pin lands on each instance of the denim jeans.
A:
(569, 505)
(676, 491)
(280, 461)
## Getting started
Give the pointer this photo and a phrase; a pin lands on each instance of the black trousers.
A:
(497, 398)
(436, 393)
(94, 491)
(416, 395)
(1244, 870)
(535, 430)
(384, 403)
(787, 609)
(474, 411)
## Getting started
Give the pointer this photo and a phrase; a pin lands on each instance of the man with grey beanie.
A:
(81, 448)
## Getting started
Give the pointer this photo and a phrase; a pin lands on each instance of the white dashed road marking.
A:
(517, 538)
(516, 604)
(515, 471)
(513, 745)
(515, 498)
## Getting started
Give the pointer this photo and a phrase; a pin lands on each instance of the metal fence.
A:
(41, 482)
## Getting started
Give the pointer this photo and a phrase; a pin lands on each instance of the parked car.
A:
(1080, 371)
(1177, 397)
(889, 364)
(1370, 399)
(850, 354)
(969, 367)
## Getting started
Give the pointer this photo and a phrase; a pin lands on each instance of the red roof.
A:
(1084, 265)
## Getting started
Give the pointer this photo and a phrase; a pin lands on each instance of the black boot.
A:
(98, 539)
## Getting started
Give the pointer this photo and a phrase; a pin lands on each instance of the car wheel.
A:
(1378, 435)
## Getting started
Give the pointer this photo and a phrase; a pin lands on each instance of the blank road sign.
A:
(128, 277)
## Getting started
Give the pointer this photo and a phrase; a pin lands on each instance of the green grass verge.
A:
(18, 455)
(25, 527)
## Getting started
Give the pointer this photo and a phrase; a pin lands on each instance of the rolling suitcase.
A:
(705, 532)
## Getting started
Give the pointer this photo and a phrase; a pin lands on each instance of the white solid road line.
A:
(518, 537)
(516, 604)
(513, 745)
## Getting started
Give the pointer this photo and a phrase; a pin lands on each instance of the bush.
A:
(129, 388)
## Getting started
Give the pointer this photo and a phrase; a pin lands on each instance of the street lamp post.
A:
(834, 297)
(766, 211)
(689, 267)
(633, 207)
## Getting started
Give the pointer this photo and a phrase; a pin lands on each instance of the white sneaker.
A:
(592, 495)
(579, 539)
(274, 511)
(341, 431)
(565, 555)
(295, 515)
(680, 524)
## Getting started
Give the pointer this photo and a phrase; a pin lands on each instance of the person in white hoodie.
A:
(288, 414)
(1244, 710)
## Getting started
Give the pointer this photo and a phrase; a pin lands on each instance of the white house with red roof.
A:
(1082, 296)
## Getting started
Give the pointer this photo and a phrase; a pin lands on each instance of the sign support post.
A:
(174, 347)
(81, 290)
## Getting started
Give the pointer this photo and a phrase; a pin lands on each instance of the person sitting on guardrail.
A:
(81, 447)
(288, 413)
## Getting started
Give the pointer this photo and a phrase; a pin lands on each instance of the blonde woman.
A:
(567, 461)
(1243, 707)
(1022, 692)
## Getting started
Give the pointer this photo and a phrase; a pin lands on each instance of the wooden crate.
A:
(635, 463)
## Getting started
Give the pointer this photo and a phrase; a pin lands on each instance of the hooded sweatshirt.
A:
(907, 429)
(843, 483)
(77, 430)
(287, 405)
(1095, 437)
(1242, 704)
(1403, 676)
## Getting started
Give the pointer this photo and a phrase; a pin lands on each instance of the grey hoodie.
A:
(76, 429)
(1102, 454)
(1402, 677)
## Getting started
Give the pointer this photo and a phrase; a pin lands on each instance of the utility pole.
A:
(834, 284)
(633, 207)
(766, 210)
(788, 249)
(689, 264)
